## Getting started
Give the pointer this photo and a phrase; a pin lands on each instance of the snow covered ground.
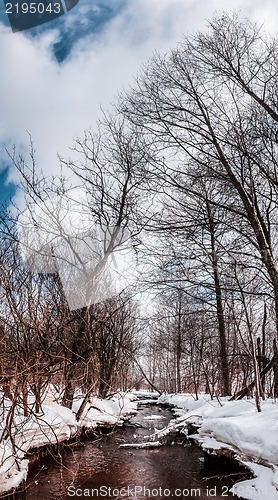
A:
(230, 426)
(238, 427)
(53, 424)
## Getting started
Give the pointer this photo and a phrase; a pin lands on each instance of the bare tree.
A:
(210, 105)
(74, 227)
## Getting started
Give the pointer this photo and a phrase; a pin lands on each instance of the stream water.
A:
(98, 468)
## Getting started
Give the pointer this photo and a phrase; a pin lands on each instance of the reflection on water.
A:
(100, 469)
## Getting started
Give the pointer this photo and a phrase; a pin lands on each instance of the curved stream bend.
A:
(101, 469)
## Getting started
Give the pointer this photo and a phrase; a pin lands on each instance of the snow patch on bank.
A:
(54, 424)
(236, 426)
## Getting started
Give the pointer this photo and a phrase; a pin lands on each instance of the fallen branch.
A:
(154, 444)
(250, 387)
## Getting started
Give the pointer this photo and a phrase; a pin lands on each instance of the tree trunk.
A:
(225, 375)
(83, 404)
(275, 369)
(179, 343)
(70, 364)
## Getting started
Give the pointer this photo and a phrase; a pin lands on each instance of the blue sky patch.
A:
(87, 18)
(7, 190)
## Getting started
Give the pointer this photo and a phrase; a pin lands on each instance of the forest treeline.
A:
(187, 164)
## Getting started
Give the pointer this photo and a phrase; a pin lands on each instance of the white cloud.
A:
(57, 102)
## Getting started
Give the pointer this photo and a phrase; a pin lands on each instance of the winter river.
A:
(98, 468)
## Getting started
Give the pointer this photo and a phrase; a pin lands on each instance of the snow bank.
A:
(184, 401)
(253, 434)
(236, 426)
(145, 394)
(262, 487)
(52, 425)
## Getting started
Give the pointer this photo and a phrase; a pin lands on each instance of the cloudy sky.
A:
(55, 78)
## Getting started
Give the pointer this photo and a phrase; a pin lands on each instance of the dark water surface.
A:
(100, 469)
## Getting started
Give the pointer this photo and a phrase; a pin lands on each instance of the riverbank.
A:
(221, 428)
(102, 467)
(53, 425)
(234, 429)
